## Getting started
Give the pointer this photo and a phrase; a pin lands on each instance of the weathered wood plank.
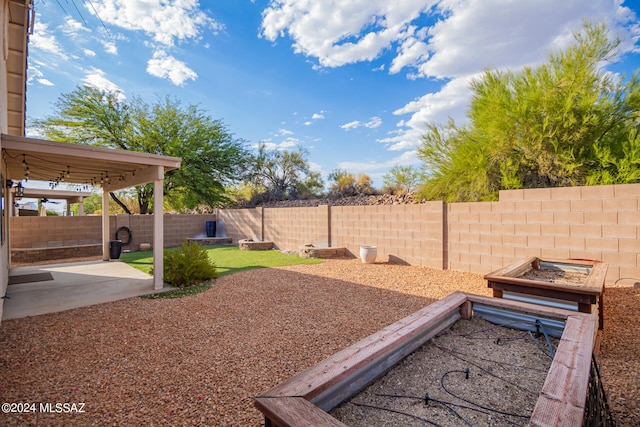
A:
(466, 310)
(561, 400)
(357, 377)
(523, 307)
(546, 291)
(515, 269)
(494, 282)
(563, 396)
(314, 380)
(294, 412)
(596, 277)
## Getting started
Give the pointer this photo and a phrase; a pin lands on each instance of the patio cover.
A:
(82, 164)
(66, 195)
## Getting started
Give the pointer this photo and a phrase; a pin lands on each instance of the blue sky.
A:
(353, 82)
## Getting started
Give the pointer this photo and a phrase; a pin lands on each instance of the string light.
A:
(64, 174)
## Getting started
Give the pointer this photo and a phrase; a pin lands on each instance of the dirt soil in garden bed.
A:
(554, 275)
(199, 360)
(475, 373)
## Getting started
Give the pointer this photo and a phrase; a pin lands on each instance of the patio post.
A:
(158, 231)
(105, 225)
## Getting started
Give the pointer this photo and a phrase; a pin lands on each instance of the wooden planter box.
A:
(588, 295)
(304, 399)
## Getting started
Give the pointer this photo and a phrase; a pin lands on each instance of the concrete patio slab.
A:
(74, 285)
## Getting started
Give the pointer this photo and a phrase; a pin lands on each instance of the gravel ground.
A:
(199, 360)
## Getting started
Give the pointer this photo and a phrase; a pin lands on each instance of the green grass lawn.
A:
(228, 259)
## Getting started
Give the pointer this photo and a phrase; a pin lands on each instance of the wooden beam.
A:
(349, 370)
(294, 412)
(563, 396)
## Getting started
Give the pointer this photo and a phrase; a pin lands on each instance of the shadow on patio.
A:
(42, 289)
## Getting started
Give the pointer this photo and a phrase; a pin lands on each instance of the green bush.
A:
(188, 265)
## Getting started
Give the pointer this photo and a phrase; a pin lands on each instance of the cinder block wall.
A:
(42, 232)
(597, 223)
(290, 228)
(412, 234)
(242, 223)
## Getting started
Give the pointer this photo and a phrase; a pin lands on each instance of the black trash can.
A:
(115, 249)
(210, 226)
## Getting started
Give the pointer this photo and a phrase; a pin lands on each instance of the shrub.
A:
(188, 265)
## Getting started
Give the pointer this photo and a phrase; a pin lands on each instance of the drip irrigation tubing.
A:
(518, 386)
(466, 372)
(366, 405)
(486, 359)
(444, 403)
(546, 336)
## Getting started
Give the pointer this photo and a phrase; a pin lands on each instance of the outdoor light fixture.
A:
(19, 191)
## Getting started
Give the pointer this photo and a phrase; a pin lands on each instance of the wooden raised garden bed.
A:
(579, 282)
(306, 398)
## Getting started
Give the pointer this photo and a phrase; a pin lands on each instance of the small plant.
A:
(188, 265)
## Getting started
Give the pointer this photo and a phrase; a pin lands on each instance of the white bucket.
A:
(368, 254)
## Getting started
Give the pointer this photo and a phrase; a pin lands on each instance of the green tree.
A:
(211, 156)
(346, 184)
(285, 174)
(564, 123)
(402, 179)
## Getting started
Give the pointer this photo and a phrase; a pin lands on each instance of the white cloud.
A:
(285, 144)
(284, 132)
(43, 39)
(451, 101)
(89, 52)
(351, 125)
(109, 46)
(468, 37)
(339, 32)
(164, 21)
(98, 79)
(45, 82)
(373, 123)
(288, 143)
(73, 28)
(408, 158)
(167, 67)
(318, 116)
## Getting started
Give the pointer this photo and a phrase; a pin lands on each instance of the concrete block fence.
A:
(596, 223)
(34, 238)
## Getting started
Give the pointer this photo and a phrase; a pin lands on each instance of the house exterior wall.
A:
(4, 111)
